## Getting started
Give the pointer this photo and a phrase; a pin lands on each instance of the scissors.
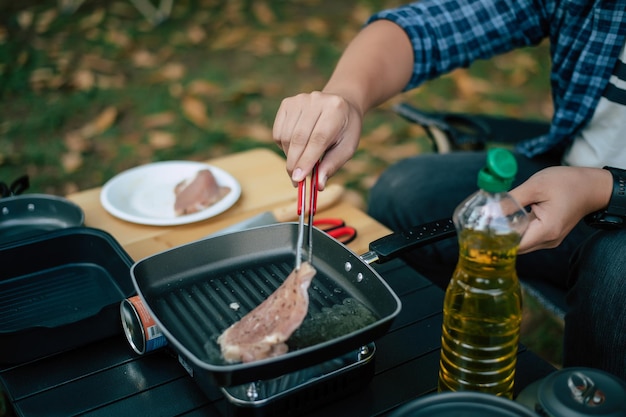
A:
(336, 228)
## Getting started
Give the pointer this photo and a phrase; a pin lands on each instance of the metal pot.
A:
(576, 392)
(27, 215)
(195, 291)
(466, 404)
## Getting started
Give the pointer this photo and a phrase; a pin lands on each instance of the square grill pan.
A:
(195, 291)
(60, 290)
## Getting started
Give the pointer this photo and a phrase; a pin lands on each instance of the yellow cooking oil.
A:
(482, 316)
(482, 306)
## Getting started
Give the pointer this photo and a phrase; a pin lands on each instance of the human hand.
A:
(311, 126)
(559, 197)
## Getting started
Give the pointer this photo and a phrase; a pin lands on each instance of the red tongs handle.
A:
(312, 192)
(301, 212)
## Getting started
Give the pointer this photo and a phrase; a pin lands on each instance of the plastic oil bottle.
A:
(482, 305)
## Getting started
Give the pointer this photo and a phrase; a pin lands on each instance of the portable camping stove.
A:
(298, 392)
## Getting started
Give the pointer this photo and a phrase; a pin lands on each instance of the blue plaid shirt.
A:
(586, 37)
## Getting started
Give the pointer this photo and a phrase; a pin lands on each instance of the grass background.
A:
(90, 92)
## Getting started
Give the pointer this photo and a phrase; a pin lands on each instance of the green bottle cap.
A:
(498, 173)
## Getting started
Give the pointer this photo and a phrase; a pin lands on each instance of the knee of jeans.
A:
(390, 199)
(600, 264)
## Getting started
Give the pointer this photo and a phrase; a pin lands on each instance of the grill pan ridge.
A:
(197, 290)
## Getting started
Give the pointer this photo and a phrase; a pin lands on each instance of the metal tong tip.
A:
(301, 215)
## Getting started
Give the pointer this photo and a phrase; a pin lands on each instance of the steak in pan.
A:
(262, 332)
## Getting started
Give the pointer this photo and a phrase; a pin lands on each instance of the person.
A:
(560, 179)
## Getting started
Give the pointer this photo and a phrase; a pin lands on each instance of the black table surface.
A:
(107, 378)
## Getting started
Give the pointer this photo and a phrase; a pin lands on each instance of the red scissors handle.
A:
(345, 234)
(337, 229)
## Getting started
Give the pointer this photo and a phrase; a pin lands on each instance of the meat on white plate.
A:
(262, 333)
(199, 193)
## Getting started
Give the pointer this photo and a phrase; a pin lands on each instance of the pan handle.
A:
(395, 244)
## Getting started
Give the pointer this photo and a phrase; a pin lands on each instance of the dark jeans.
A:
(590, 266)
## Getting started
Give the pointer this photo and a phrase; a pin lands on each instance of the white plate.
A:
(145, 194)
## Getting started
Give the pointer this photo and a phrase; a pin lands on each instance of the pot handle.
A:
(395, 244)
(17, 187)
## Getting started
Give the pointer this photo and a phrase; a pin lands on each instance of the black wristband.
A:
(614, 215)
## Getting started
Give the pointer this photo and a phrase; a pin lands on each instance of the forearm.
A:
(376, 66)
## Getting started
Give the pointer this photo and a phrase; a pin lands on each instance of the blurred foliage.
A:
(90, 92)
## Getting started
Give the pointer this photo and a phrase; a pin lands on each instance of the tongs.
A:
(301, 215)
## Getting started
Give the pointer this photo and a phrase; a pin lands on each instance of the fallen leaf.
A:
(84, 80)
(259, 132)
(517, 60)
(93, 34)
(92, 20)
(75, 142)
(25, 19)
(122, 9)
(144, 59)
(304, 59)
(346, 34)
(159, 139)
(118, 38)
(71, 161)
(256, 130)
(45, 19)
(40, 78)
(368, 181)
(69, 6)
(173, 71)
(41, 74)
(232, 12)
(247, 88)
(254, 108)
(230, 39)
(263, 13)
(196, 34)
(176, 90)
(262, 44)
(360, 13)
(158, 120)
(287, 45)
(64, 62)
(203, 88)
(317, 26)
(106, 82)
(380, 134)
(70, 188)
(98, 63)
(195, 111)
(467, 85)
(273, 89)
(400, 151)
(101, 123)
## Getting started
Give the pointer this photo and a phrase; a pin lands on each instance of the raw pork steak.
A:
(198, 194)
(262, 333)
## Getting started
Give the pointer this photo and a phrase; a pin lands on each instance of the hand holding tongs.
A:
(301, 213)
